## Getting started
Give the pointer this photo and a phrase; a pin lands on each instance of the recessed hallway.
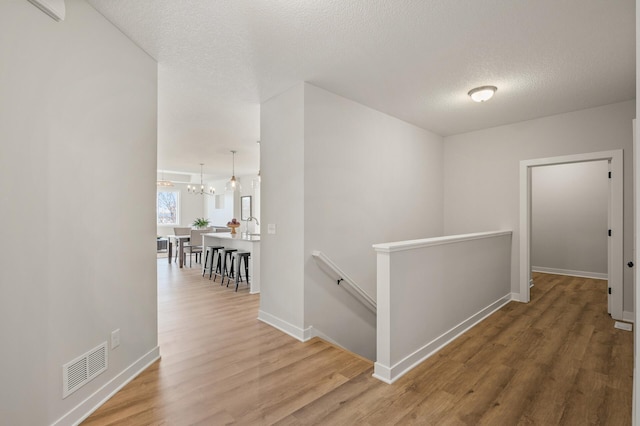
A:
(557, 360)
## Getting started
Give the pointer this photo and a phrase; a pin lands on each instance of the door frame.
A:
(616, 224)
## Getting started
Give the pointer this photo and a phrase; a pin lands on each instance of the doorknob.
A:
(630, 264)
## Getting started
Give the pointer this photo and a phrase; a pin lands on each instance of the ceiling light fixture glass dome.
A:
(233, 184)
(482, 93)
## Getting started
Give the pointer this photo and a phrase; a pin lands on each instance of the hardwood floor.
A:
(557, 360)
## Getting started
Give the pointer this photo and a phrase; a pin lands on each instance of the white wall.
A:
(219, 213)
(254, 193)
(481, 171)
(369, 178)
(569, 218)
(77, 98)
(338, 177)
(282, 162)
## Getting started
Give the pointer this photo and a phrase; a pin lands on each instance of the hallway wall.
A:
(78, 164)
(338, 177)
(369, 178)
(481, 171)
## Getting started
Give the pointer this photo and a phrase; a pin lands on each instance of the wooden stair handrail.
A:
(350, 286)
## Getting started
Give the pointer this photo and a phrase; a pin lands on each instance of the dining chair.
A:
(195, 243)
(180, 231)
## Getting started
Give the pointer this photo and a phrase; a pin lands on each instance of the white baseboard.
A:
(628, 316)
(314, 332)
(301, 334)
(83, 410)
(569, 272)
(515, 297)
(389, 374)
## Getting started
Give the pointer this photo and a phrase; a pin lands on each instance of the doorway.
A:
(614, 261)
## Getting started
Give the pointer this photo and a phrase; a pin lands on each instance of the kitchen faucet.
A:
(249, 220)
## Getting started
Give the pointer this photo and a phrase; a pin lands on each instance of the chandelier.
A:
(193, 189)
(162, 182)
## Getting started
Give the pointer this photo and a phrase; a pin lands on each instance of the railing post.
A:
(383, 321)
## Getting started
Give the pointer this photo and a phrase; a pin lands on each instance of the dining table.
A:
(179, 242)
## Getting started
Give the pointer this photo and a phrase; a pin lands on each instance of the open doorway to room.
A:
(613, 160)
(570, 219)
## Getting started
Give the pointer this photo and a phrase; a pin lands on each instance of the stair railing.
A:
(347, 283)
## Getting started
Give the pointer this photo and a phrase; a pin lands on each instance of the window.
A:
(167, 208)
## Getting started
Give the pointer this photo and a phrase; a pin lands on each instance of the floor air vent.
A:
(83, 369)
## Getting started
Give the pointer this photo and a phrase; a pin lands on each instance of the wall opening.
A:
(615, 259)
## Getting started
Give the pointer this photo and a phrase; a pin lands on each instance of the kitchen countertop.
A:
(254, 238)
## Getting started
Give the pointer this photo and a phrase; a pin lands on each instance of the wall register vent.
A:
(83, 369)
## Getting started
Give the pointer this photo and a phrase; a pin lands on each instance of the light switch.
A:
(271, 228)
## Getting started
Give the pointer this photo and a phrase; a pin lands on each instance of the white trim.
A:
(628, 317)
(296, 332)
(83, 410)
(428, 242)
(314, 332)
(391, 374)
(569, 272)
(515, 297)
(615, 214)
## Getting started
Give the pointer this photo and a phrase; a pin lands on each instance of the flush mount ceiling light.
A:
(233, 184)
(192, 189)
(483, 93)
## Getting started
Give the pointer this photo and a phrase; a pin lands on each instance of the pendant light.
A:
(193, 189)
(233, 184)
(255, 182)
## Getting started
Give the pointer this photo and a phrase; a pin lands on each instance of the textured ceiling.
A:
(413, 59)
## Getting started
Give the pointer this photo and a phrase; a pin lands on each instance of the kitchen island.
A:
(242, 242)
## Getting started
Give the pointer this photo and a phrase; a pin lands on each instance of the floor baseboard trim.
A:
(83, 410)
(628, 316)
(568, 272)
(296, 332)
(391, 374)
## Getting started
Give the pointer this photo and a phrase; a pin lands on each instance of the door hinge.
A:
(609, 232)
(609, 175)
(609, 290)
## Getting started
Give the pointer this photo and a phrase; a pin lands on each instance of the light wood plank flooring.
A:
(557, 360)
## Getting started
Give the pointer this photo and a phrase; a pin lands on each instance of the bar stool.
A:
(243, 255)
(226, 271)
(208, 263)
(217, 271)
